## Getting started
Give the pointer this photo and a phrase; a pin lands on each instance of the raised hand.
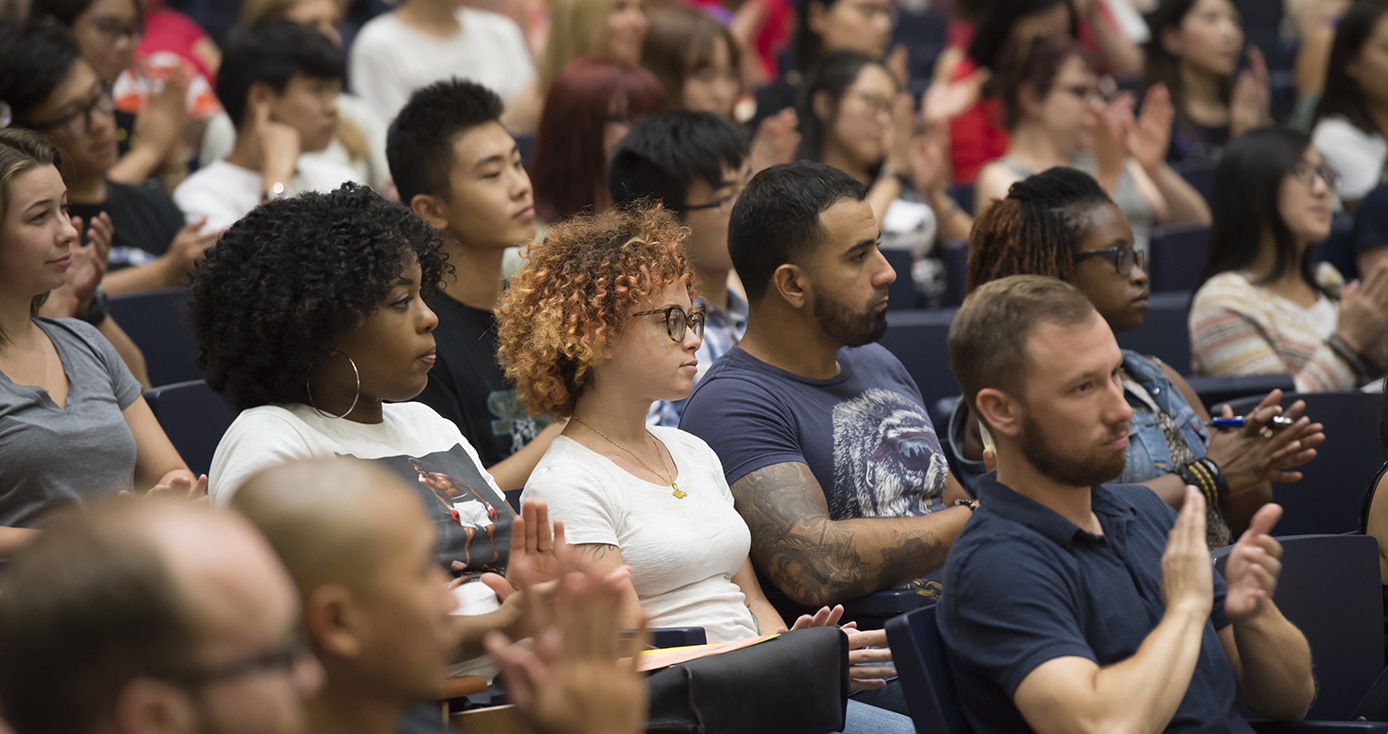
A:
(160, 122)
(899, 63)
(187, 246)
(279, 145)
(776, 140)
(1362, 318)
(944, 101)
(1149, 136)
(1250, 105)
(896, 137)
(1254, 565)
(1247, 459)
(1187, 579)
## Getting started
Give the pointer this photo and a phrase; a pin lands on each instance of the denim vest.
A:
(1148, 455)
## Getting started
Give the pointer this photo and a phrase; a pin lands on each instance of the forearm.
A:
(952, 223)
(513, 471)
(140, 278)
(767, 619)
(884, 191)
(136, 166)
(470, 630)
(129, 353)
(1123, 57)
(1184, 204)
(14, 539)
(1274, 673)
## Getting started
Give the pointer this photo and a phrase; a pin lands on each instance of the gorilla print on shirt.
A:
(887, 453)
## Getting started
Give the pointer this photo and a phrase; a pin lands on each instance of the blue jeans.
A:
(865, 719)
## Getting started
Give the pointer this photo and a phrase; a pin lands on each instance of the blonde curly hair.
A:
(574, 296)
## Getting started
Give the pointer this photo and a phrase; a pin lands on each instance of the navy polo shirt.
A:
(1025, 585)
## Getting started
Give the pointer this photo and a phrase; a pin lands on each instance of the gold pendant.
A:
(679, 495)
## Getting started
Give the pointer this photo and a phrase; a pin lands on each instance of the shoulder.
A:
(377, 34)
(684, 441)
(565, 468)
(1225, 289)
(996, 556)
(485, 21)
(1329, 277)
(73, 330)
(213, 177)
(1335, 131)
(321, 174)
(268, 419)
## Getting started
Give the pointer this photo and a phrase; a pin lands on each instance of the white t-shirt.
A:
(1356, 155)
(389, 59)
(683, 553)
(224, 192)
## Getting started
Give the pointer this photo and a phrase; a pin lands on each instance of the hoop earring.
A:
(355, 398)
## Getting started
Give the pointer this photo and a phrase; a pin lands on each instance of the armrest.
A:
(1262, 726)
(663, 637)
(873, 611)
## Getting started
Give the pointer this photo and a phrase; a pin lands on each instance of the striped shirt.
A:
(1239, 328)
(723, 329)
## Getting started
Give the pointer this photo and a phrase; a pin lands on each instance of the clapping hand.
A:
(1149, 135)
(1251, 103)
(869, 659)
(1253, 567)
(178, 487)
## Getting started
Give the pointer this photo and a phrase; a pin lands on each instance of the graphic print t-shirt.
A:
(864, 433)
(421, 447)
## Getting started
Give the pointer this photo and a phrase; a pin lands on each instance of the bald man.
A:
(151, 616)
(376, 604)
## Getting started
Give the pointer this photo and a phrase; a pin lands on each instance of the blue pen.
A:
(1277, 423)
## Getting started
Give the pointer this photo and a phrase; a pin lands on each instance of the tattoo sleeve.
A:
(816, 560)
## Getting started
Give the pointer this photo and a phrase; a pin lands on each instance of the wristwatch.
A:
(97, 310)
(277, 190)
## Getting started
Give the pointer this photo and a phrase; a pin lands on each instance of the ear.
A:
(431, 209)
(1002, 414)
(793, 284)
(155, 707)
(1172, 43)
(332, 620)
(259, 95)
(1029, 100)
(817, 19)
(822, 105)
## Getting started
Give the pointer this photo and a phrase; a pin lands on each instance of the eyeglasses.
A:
(115, 31)
(79, 122)
(1307, 174)
(677, 323)
(1124, 258)
(285, 660)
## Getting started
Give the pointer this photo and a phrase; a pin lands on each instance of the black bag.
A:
(796, 683)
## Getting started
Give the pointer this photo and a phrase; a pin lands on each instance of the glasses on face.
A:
(1124, 258)
(880, 105)
(1307, 174)
(115, 31)
(677, 323)
(286, 660)
(79, 122)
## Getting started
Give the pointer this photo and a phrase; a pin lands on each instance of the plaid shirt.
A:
(722, 331)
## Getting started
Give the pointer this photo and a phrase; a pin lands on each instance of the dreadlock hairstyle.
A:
(1036, 229)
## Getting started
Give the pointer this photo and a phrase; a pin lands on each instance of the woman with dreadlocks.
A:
(1061, 223)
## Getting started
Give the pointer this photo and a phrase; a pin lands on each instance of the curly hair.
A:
(285, 280)
(574, 295)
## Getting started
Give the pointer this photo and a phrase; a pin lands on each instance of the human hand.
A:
(899, 64)
(1185, 566)
(867, 653)
(1106, 127)
(1362, 317)
(825, 617)
(1253, 567)
(160, 122)
(89, 261)
(1150, 134)
(179, 487)
(897, 135)
(187, 246)
(776, 140)
(279, 144)
(1250, 105)
(944, 101)
(543, 552)
(1247, 459)
(929, 164)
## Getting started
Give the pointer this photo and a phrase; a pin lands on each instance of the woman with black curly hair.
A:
(311, 320)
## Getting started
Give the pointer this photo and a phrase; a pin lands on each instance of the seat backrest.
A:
(917, 338)
(157, 322)
(1178, 255)
(1329, 495)
(918, 652)
(1200, 175)
(1165, 331)
(956, 259)
(194, 418)
(1216, 390)
(901, 293)
(1330, 589)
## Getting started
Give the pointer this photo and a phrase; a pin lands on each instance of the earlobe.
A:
(149, 705)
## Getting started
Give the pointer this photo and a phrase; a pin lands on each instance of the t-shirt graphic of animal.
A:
(885, 450)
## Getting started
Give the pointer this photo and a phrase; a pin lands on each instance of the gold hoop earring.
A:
(355, 398)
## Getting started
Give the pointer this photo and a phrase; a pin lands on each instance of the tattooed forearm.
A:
(595, 551)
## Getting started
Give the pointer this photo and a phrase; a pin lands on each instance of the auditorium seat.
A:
(955, 256)
(901, 294)
(158, 324)
(917, 338)
(193, 417)
(1165, 332)
(1178, 257)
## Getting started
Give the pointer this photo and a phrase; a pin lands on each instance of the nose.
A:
(428, 320)
(521, 187)
(885, 275)
(1118, 410)
(1138, 276)
(691, 341)
(68, 234)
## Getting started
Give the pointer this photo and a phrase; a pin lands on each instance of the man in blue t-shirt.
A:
(823, 435)
(1077, 606)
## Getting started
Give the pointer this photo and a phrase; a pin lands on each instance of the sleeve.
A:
(1357, 157)
(575, 496)
(1227, 338)
(1009, 611)
(373, 77)
(743, 424)
(123, 384)
(253, 442)
(197, 197)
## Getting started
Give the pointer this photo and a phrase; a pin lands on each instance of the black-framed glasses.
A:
(677, 323)
(1307, 174)
(1124, 258)
(285, 660)
(725, 202)
(80, 121)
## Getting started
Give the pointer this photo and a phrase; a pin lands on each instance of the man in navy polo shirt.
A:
(1072, 606)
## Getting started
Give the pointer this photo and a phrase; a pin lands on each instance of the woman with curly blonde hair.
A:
(598, 325)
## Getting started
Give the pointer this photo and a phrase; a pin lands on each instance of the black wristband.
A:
(98, 309)
(1204, 475)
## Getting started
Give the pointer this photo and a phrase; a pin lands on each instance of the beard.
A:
(1036, 448)
(846, 326)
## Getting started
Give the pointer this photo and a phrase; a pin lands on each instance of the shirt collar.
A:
(995, 497)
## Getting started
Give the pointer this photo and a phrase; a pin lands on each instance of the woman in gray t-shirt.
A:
(73, 426)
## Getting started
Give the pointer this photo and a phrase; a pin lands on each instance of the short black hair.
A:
(286, 279)
(272, 50)
(68, 11)
(662, 156)
(777, 218)
(35, 58)
(419, 145)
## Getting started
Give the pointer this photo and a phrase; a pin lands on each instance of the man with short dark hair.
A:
(1075, 606)
(459, 170)
(694, 164)
(823, 436)
(158, 617)
(279, 83)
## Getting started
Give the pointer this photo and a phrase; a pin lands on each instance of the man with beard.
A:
(1077, 606)
(823, 436)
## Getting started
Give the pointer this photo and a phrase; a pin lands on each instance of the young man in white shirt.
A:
(279, 83)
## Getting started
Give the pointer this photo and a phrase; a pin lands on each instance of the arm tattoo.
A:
(756, 623)
(594, 551)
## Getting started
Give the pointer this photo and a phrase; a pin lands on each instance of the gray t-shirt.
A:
(54, 457)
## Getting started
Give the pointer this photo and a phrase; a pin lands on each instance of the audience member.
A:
(590, 107)
(461, 172)
(1369, 238)
(1263, 305)
(152, 617)
(51, 88)
(64, 390)
(376, 607)
(1373, 515)
(360, 140)
(1052, 549)
(628, 339)
(1194, 52)
(821, 434)
(423, 41)
(1349, 119)
(167, 29)
(1050, 96)
(279, 82)
(695, 165)
(1061, 223)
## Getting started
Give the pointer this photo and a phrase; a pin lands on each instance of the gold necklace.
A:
(678, 493)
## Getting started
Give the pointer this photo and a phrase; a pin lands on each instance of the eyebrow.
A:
(863, 244)
(402, 280)
(41, 203)
(498, 158)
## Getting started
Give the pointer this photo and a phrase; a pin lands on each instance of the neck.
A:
(86, 187)
(835, 156)
(334, 390)
(1033, 145)
(712, 286)
(333, 711)
(1070, 502)
(789, 339)
(246, 153)
(615, 411)
(1262, 265)
(432, 16)
(476, 279)
(14, 317)
(1199, 85)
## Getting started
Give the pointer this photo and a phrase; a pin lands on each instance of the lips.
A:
(526, 213)
(429, 357)
(63, 261)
